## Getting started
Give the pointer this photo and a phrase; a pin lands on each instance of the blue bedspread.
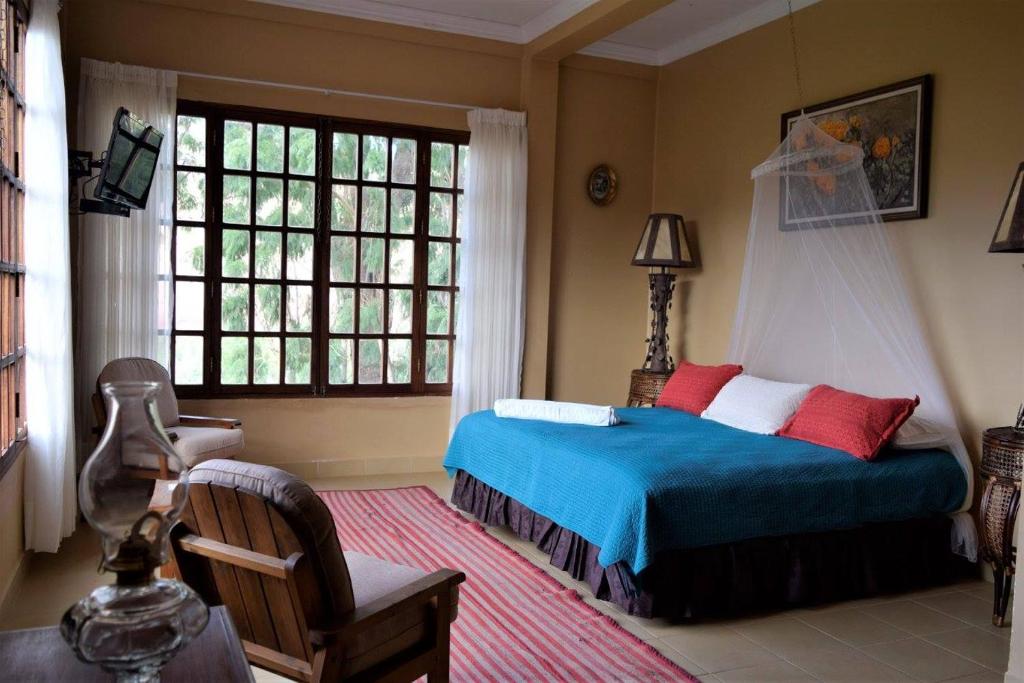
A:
(664, 479)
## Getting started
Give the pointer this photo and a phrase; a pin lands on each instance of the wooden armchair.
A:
(261, 542)
(195, 438)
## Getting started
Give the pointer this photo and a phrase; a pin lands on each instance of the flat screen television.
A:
(129, 162)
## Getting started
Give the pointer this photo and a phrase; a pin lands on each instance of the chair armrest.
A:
(200, 421)
(409, 596)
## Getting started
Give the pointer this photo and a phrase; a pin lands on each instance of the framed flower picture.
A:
(892, 124)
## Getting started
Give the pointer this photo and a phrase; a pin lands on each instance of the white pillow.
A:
(756, 405)
(917, 433)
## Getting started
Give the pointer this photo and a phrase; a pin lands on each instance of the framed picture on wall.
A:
(892, 124)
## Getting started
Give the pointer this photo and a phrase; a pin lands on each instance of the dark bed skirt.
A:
(756, 574)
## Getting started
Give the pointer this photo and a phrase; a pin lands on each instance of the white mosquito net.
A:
(823, 300)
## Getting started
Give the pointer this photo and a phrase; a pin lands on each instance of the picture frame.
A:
(892, 123)
(602, 185)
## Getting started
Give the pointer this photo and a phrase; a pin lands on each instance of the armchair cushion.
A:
(199, 444)
(144, 370)
(374, 578)
(303, 511)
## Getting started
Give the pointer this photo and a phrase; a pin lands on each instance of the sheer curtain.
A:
(490, 326)
(50, 506)
(124, 274)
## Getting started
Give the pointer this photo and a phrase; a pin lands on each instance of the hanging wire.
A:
(796, 57)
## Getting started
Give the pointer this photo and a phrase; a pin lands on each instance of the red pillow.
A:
(860, 425)
(693, 387)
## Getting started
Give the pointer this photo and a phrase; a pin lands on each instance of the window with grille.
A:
(13, 21)
(314, 256)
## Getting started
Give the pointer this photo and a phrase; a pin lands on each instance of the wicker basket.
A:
(1001, 460)
(645, 387)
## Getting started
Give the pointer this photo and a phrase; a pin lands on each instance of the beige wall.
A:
(598, 301)
(12, 534)
(718, 116)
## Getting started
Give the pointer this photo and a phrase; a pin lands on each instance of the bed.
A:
(671, 515)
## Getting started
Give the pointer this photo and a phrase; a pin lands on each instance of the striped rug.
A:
(516, 623)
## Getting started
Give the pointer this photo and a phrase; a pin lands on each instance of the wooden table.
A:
(40, 654)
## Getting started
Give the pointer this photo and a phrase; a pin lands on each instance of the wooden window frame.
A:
(13, 425)
(215, 115)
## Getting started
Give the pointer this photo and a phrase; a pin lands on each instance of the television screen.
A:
(130, 161)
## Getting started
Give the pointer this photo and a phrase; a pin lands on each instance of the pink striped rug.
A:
(515, 622)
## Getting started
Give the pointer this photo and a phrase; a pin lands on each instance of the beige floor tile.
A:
(977, 645)
(678, 657)
(847, 666)
(710, 678)
(785, 636)
(914, 617)
(923, 660)
(981, 677)
(766, 673)
(854, 627)
(264, 676)
(962, 606)
(718, 648)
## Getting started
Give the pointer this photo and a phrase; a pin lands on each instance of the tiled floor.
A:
(935, 635)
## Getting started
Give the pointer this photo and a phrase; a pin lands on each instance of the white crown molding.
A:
(734, 26)
(541, 24)
(622, 52)
(406, 16)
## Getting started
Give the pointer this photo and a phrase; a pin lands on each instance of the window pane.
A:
(343, 259)
(188, 360)
(403, 161)
(268, 255)
(236, 199)
(268, 308)
(459, 203)
(400, 311)
(296, 361)
(302, 152)
(266, 359)
(370, 352)
(188, 305)
(463, 165)
(399, 361)
(340, 365)
(375, 157)
(441, 164)
(437, 361)
(342, 310)
(401, 262)
(191, 199)
(234, 360)
(346, 146)
(300, 257)
(371, 269)
(238, 145)
(269, 201)
(458, 262)
(343, 207)
(235, 253)
(373, 209)
(438, 263)
(191, 142)
(300, 309)
(190, 249)
(440, 214)
(270, 150)
(300, 203)
(234, 307)
(403, 211)
(437, 312)
(371, 311)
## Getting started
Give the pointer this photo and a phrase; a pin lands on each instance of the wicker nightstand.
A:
(1001, 460)
(645, 386)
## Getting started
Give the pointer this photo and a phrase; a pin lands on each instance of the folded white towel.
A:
(556, 411)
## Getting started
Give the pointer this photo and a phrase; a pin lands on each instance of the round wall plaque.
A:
(601, 185)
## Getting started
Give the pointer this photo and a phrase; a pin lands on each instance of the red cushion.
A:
(693, 387)
(860, 425)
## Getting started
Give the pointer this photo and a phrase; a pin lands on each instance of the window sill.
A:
(11, 457)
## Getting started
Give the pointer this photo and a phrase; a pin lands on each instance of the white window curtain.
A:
(50, 506)
(124, 274)
(491, 323)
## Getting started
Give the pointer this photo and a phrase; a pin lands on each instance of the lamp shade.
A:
(1009, 235)
(664, 243)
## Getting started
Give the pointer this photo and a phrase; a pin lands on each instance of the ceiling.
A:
(678, 29)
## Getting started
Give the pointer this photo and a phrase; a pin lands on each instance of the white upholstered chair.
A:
(196, 439)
